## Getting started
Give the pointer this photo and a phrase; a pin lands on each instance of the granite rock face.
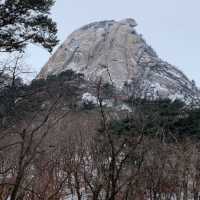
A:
(115, 52)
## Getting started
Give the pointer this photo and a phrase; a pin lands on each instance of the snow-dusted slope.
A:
(114, 51)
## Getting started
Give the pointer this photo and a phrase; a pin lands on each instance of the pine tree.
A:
(26, 21)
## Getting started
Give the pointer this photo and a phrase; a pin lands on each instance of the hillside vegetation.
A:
(61, 147)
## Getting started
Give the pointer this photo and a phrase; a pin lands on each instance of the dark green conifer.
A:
(26, 21)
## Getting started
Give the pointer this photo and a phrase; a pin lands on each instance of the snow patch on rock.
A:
(88, 99)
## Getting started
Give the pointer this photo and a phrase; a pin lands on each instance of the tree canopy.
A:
(26, 21)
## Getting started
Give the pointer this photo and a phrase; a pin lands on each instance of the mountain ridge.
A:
(114, 51)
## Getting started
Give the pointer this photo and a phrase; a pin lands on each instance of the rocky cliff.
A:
(115, 52)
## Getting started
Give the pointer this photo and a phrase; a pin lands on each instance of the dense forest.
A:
(62, 147)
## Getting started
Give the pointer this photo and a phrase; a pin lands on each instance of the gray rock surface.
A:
(115, 52)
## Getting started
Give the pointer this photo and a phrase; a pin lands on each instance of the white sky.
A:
(171, 27)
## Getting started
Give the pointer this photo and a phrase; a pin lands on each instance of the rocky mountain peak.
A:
(114, 51)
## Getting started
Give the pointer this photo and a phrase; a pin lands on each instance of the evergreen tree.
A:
(26, 21)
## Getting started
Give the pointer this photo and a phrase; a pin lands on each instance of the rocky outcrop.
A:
(115, 52)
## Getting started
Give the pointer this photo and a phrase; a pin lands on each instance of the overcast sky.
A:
(171, 27)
